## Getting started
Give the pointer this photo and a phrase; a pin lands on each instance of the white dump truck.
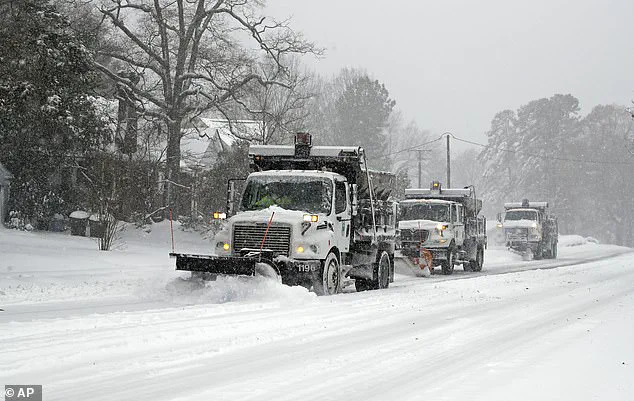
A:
(440, 226)
(530, 229)
(315, 216)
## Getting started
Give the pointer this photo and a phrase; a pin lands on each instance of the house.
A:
(5, 181)
(205, 138)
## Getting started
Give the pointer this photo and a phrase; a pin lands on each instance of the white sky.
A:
(451, 65)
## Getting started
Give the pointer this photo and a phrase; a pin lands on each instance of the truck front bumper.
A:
(292, 271)
(438, 253)
(522, 246)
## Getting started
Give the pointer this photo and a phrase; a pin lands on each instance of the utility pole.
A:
(420, 165)
(448, 163)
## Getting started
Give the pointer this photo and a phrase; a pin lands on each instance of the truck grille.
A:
(517, 234)
(278, 239)
(410, 235)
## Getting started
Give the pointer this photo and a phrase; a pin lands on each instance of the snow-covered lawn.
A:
(93, 325)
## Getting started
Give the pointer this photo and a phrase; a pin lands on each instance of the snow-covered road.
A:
(91, 326)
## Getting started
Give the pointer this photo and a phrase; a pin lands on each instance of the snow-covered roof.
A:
(209, 136)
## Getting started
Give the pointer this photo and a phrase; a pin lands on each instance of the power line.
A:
(412, 147)
(566, 159)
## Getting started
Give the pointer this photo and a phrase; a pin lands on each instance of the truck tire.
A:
(479, 260)
(475, 265)
(382, 273)
(267, 270)
(383, 267)
(468, 266)
(330, 282)
(447, 265)
(539, 252)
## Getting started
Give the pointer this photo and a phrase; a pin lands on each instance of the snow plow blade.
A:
(421, 267)
(215, 264)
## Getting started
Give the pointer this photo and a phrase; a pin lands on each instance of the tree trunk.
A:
(173, 155)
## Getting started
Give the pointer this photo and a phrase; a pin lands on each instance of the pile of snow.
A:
(232, 289)
(79, 214)
(572, 240)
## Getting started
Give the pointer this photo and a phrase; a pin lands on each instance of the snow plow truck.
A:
(439, 226)
(314, 216)
(530, 229)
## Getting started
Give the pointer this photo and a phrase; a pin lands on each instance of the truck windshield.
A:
(304, 193)
(521, 215)
(424, 211)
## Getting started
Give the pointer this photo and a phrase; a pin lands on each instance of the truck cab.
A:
(445, 223)
(529, 229)
(309, 213)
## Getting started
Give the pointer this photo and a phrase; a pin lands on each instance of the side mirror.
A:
(232, 195)
(231, 190)
(355, 201)
(499, 217)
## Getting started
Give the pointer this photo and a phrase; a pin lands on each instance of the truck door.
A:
(343, 213)
(458, 220)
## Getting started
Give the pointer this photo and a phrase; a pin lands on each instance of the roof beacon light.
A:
(303, 138)
(303, 144)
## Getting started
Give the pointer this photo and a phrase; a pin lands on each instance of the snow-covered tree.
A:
(362, 113)
(193, 56)
(501, 168)
(48, 113)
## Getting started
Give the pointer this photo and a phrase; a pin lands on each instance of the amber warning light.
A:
(219, 216)
(303, 138)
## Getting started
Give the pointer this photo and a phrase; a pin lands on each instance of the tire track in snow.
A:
(353, 343)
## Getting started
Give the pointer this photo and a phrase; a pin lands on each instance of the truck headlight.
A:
(440, 228)
(224, 245)
(300, 249)
(311, 218)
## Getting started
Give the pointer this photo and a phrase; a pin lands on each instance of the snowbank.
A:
(44, 267)
(572, 240)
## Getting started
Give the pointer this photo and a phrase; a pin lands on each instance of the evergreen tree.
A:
(47, 113)
(500, 162)
(362, 113)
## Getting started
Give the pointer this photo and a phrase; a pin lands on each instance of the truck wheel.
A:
(447, 264)
(479, 260)
(330, 282)
(267, 270)
(382, 273)
(539, 252)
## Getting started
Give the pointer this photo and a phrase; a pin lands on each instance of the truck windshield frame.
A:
(292, 192)
(425, 211)
(520, 215)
